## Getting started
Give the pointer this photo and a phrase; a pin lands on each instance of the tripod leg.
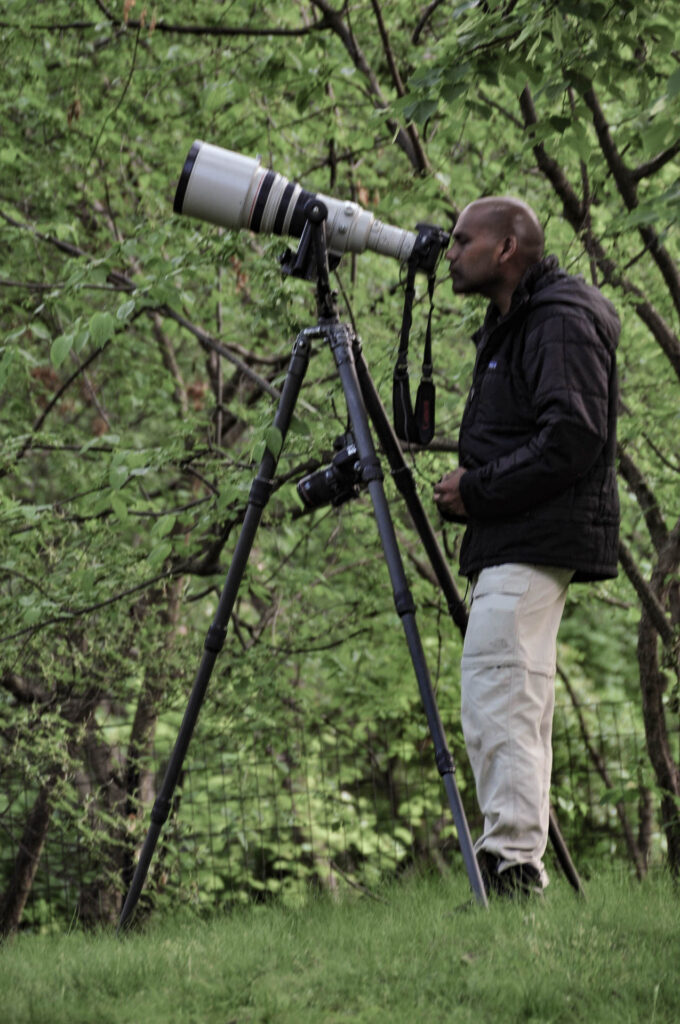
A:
(340, 341)
(563, 855)
(259, 495)
(403, 478)
(404, 481)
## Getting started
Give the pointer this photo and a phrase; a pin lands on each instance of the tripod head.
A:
(430, 243)
(312, 260)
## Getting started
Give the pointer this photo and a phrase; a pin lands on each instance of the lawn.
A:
(420, 951)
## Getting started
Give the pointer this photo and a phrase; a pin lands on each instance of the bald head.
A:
(494, 241)
(504, 216)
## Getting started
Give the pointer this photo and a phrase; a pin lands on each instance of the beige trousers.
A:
(508, 696)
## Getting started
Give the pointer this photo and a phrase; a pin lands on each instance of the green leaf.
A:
(299, 427)
(673, 87)
(6, 366)
(452, 91)
(274, 440)
(102, 327)
(577, 136)
(60, 349)
(81, 339)
(655, 134)
(125, 311)
(119, 506)
(529, 31)
(159, 553)
(560, 124)
(40, 330)
(118, 475)
(258, 451)
(420, 111)
(163, 526)
(10, 154)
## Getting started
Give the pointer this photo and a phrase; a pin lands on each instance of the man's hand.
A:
(447, 494)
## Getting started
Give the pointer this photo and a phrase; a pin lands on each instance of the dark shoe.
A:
(488, 869)
(518, 881)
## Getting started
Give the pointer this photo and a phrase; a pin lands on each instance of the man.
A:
(536, 486)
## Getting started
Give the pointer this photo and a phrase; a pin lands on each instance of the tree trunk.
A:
(138, 775)
(653, 683)
(26, 861)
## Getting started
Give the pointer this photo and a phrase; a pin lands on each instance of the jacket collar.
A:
(535, 277)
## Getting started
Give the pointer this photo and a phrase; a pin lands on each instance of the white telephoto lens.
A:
(226, 188)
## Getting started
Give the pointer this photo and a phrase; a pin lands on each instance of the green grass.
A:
(614, 957)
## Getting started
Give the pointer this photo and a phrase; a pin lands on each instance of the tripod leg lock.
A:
(404, 603)
(371, 469)
(260, 492)
(214, 640)
(444, 761)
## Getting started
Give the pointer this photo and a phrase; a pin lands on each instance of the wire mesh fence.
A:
(279, 814)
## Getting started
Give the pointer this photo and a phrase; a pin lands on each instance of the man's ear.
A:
(508, 248)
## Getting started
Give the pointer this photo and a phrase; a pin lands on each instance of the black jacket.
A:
(538, 434)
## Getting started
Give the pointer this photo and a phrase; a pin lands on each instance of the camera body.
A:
(336, 483)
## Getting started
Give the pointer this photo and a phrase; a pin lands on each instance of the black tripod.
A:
(362, 402)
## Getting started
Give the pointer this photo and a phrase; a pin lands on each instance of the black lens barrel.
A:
(276, 224)
(261, 201)
(184, 177)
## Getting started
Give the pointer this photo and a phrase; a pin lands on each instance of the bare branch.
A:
(31, 286)
(649, 600)
(659, 161)
(508, 115)
(669, 560)
(67, 247)
(625, 183)
(80, 369)
(333, 19)
(397, 80)
(576, 215)
(211, 344)
(387, 50)
(573, 208)
(164, 26)
(127, 284)
(55, 27)
(170, 363)
(114, 110)
(646, 499)
(96, 606)
(424, 18)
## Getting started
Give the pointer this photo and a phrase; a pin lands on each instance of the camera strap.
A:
(414, 426)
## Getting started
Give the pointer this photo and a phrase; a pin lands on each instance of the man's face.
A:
(474, 254)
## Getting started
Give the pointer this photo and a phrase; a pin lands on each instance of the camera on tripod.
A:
(336, 483)
(232, 190)
(223, 187)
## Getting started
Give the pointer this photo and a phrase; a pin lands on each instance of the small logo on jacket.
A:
(492, 365)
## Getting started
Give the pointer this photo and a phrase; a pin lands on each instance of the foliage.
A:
(142, 352)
